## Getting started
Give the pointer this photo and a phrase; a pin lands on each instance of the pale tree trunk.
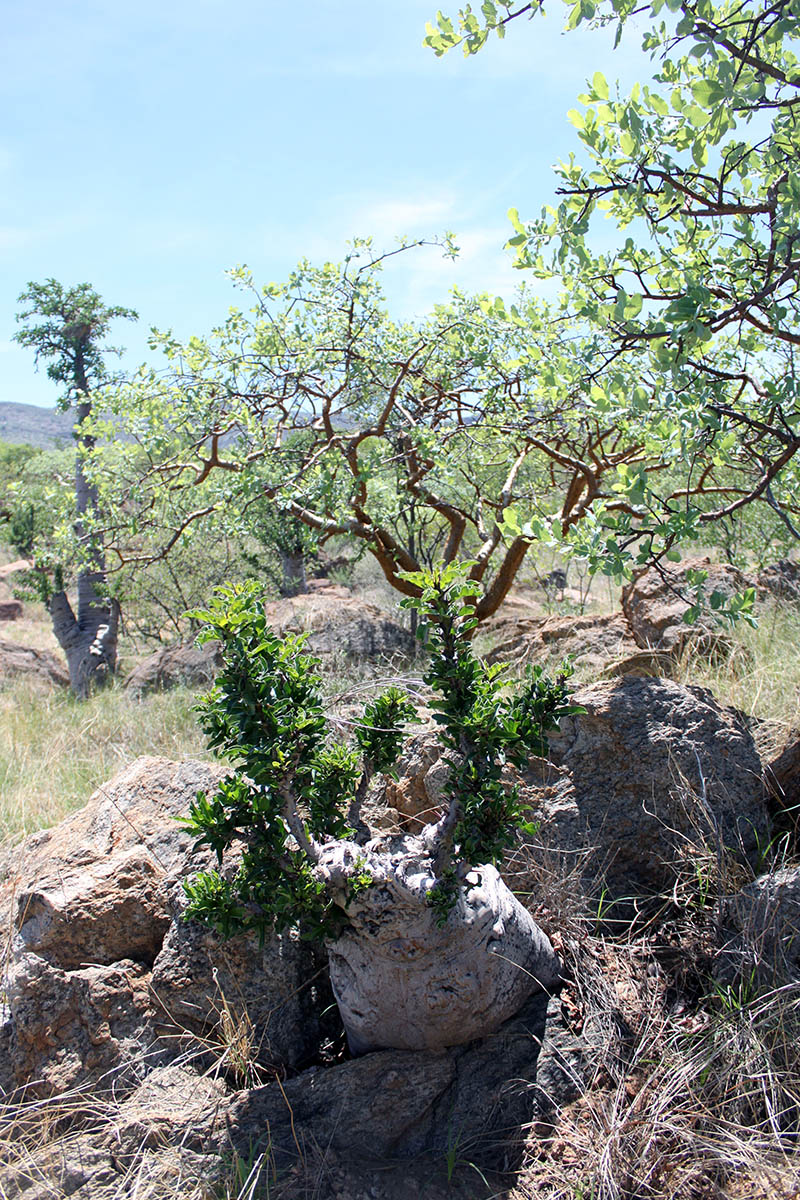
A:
(88, 639)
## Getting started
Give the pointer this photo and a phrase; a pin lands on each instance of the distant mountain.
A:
(46, 427)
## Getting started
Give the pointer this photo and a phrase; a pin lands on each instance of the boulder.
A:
(761, 930)
(781, 581)
(20, 564)
(10, 610)
(24, 661)
(341, 627)
(782, 778)
(655, 602)
(173, 666)
(106, 979)
(647, 774)
(593, 641)
(650, 770)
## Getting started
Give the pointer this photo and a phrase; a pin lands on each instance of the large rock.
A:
(782, 779)
(657, 599)
(649, 773)
(781, 581)
(173, 666)
(593, 641)
(24, 661)
(106, 979)
(340, 627)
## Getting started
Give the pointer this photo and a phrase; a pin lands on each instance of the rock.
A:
(781, 580)
(10, 610)
(782, 778)
(421, 773)
(656, 600)
(174, 666)
(260, 1004)
(762, 933)
(409, 978)
(20, 564)
(393, 1104)
(339, 627)
(40, 665)
(105, 978)
(594, 641)
(650, 771)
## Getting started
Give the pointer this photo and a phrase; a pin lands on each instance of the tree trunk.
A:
(89, 640)
(404, 981)
(293, 567)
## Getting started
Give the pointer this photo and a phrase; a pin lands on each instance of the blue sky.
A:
(147, 147)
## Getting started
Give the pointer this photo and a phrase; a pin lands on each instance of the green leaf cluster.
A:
(293, 784)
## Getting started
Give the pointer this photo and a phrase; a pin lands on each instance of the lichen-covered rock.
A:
(781, 581)
(40, 665)
(420, 775)
(105, 979)
(593, 641)
(341, 627)
(655, 602)
(174, 666)
(650, 770)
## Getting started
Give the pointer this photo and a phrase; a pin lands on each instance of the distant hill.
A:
(44, 427)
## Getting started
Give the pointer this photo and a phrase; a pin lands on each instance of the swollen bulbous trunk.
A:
(404, 981)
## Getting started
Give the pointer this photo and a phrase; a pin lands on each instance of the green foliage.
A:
(697, 170)
(265, 714)
(66, 327)
(295, 789)
(482, 727)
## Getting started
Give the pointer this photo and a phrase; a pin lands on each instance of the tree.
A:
(408, 919)
(66, 328)
(699, 171)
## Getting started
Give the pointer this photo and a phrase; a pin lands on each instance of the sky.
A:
(148, 147)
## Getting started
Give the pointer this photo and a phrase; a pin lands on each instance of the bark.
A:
(88, 639)
(293, 568)
(404, 981)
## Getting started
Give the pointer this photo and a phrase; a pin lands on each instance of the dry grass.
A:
(761, 675)
(55, 750)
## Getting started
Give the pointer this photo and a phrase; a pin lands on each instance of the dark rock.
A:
(174, 666)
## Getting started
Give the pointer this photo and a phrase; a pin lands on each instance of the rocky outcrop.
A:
(106, 979)
(592, 641)
(10, 610)
(39, 665)
(341, 628)
(649, 771)
(781, 581)
(173, 666)
(655, 602)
